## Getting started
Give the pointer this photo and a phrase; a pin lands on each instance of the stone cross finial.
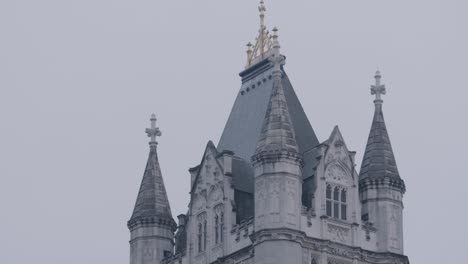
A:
(378, 89)
(154, 131)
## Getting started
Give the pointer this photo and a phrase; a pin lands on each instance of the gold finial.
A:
(263, 43)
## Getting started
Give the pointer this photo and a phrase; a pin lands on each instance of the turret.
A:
(278, 177)
(151, 225)
(380, 186)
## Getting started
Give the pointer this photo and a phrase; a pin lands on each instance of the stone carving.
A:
(291, 202)
(336, 261)
(393, 228)
(338, 234)
(150, 253)
(337, 174)
(275, 200)
(200, 203)
(216, 194)
(260, 202)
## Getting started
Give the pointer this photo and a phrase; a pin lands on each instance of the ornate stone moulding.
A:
(157, 221)
(382, 182)
(274, 156)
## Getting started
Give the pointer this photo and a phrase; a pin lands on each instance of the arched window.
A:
(329, 200)
(336, 203)
(216, 229)
(343, 204)
(200, 234)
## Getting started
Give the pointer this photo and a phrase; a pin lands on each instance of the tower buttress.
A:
(151, 225)
(278, 178)
(380, 186)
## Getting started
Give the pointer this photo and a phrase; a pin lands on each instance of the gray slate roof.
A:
(277, 132)
(243, 128)
(379, 160)
(152, 198)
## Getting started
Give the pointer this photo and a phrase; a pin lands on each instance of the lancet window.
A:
(201, 232)
(219, 224)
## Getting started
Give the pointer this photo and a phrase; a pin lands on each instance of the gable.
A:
(209, 173)
(338, 160)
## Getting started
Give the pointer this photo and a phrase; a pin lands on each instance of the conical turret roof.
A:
(379, 160)
(277, 131)
(152, 198)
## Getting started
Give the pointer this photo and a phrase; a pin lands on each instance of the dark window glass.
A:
(216, 229)
(204, 235)
(221, 228)
(328, 192)
(343, 196)
(343, 211)
(200, 238)
(329, 208)
(336, 210)
(336, 194)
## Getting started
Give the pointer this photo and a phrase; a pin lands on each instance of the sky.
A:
(79, 80)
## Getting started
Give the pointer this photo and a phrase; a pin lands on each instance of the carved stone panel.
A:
(337, 174)
(338, 234)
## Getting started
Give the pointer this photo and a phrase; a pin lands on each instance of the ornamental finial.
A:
(263, 42)
(378, 89)
(154, 131)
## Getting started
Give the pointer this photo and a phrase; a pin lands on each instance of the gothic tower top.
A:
(152, 202)
(263, 43)
(379, 160)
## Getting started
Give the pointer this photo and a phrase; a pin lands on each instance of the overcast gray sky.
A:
(80, 78)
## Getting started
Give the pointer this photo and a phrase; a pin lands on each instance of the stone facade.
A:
(270, 193)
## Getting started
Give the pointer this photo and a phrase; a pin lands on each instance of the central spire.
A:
(263, 42)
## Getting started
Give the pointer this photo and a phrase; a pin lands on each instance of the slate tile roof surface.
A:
(277, 132)
(152, 198)
(244, 125)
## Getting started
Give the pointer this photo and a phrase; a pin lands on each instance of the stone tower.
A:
(278, 178)
(151, 225)
(381, 188)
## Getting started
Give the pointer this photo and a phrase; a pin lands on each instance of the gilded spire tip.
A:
(263, 43)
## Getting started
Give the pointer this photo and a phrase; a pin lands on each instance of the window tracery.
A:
(336, 202)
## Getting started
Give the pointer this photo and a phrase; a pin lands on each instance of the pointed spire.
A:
(277, 131)
(152, 201)
(379, 160)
